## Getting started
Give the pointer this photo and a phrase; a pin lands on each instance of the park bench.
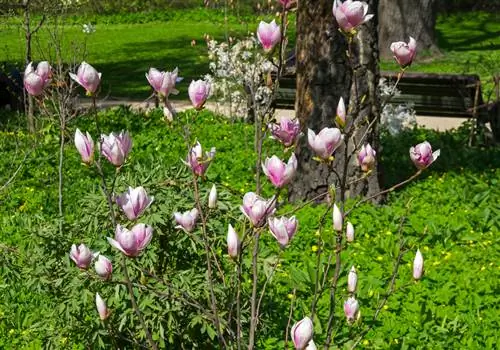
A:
(444, 95)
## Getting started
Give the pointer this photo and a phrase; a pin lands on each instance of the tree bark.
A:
(400, 19)
(324, 74)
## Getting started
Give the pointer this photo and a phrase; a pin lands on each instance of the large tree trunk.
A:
(400, 19)
(324, 74)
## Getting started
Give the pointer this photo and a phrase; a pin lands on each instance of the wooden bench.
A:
(445, 95)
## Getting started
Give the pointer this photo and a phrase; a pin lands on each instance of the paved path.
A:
(436, 123)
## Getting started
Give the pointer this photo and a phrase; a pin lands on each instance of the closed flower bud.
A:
(197, 161)
(352, 280)
(186, 220)
(311, 346)
(103, 267)
(278, 172)
(199, 91)
(422, 155)
(102, 309)
(349, 232)
(87, 77)
(116, 147)
(302, 333)
(283, 229)
(351, 309)
(366, 157)
(212, 198)
(132, 242)
(81, 255)
(418, 265)
(350, 14)
(337, 218)
(233, 242)
(325, 143)
(269, 34)
(404, 53)
(341, 113)
(134, 202)
(257, 209)
(287, 131)
(85, 146)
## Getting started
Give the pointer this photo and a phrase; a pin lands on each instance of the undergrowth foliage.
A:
(171, 236)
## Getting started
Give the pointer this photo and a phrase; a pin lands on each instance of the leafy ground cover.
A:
(453, 218)
(124, 46)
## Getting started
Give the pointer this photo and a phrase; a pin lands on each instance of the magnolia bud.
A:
(349, 232)
(352, 280)
(212, 198)
(103, 267)
(337, 218)
(302, 333)
(102, 309)
(418, 265)
(233, 242)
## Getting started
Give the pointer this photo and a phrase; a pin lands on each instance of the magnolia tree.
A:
(235, 324)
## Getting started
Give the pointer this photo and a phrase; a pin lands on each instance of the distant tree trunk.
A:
(324, 74)
(400, 19)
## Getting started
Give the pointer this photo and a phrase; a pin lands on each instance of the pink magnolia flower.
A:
(337, 219)
(350, 14)
(87, 77)
(278, 172)
(287, 131)
(349, 232)
(102, 309)
(352, 280)
(283, 229)
(366, 157)
(199, 91)
(418, 265)
(186, 220)
(44, 71)
(233, 242)
(256, 208)
(311, 346)
(422, 155)
(341, 113)
(287, 3)
(103, 267)
(81, 255)
(269, 34)
(325, 143)
(302, 333)
(404, 53)
(163, 82)
(116, 147)
(212, 198)
(132, 242)
(85, 146)
(351, 309)
(134, 202)
(198, 162)
(36, 80)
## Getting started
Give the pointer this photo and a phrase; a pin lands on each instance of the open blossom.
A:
(85, 146)
(418, 265)
(116, 147)
(233, 242)
(35, 80)
(199, 92)
(366, 157)
(341, 113)
(283, 229)
(132, 242)
(302, 333)
(351, 309)
(103, 267)
(404, 53)
(325, 143)
(81, 255)
(102, 309)
(422, 155)
(134, 202)
(163, 82)
(278, 172)
(287, 131)
(256, 208)
(88, 77)
(269, 34)
(337, 218)
(349, 232)
(186, 220)
(197, 161)
(352, 280)
(350, 14)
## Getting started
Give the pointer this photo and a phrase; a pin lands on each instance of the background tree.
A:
(324, 74)
(400, 19)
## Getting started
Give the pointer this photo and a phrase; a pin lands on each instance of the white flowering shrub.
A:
(395, 118)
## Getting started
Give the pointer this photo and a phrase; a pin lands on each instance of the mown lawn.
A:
(124, 47)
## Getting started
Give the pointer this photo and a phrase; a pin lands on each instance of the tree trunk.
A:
(400, 19)
(324, 74)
